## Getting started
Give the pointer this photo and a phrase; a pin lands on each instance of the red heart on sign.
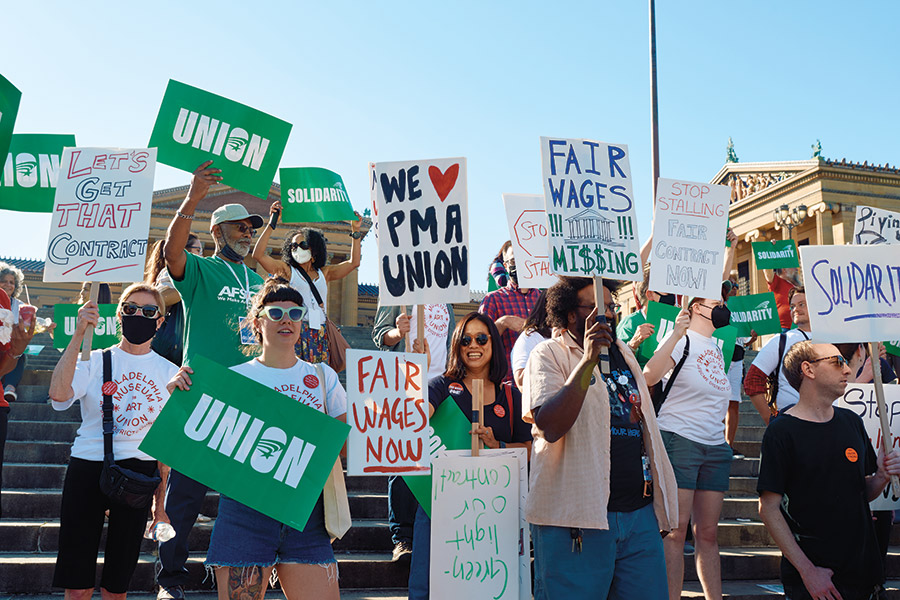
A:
(443, 182)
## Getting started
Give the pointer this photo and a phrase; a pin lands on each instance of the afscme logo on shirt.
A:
(232, 433)
(233, 293)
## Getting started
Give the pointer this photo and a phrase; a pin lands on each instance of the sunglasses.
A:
(243, 228)
(481, 339)
(838, 361)
(149, 311)
(304, 245)
(276, 313)
(611, 307)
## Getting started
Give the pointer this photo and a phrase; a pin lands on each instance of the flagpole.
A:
(654, 104)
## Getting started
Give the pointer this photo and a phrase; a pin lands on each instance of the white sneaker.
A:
(9, 394)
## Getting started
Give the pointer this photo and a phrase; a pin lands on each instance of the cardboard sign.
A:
(527, 222)
(689, 223)
(448, 430)
(106, 333)
(195, 126)
(475, 528)
(387, 413)
(777, 254)
(28, 180)
(313, 195)
(589, 203)
(757, 312)
(10, 97)
(423, 241)
(860, 398)
(662, 317)
(248, 442)
(101, 215)
(853, 293)
(876, 226)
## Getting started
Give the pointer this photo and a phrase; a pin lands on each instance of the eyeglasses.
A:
(304, 245)
(838, 361)
(276, 313)
(481, 339)
(611, 307)
(243, 228)
(198, 250)
(149, 311)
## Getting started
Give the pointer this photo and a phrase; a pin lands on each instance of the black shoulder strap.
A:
(107, 407)
(684, 355)
(315, 292)
(782, 341)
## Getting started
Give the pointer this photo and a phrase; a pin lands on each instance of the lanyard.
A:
(244, 288)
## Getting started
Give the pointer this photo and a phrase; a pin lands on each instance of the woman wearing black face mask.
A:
(690, 420)
(139, 388)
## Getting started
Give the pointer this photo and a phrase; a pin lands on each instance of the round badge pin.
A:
(593, 379)
(109, 388)
(311, 381)
(499, 411)
(455, 388)
(623, 379)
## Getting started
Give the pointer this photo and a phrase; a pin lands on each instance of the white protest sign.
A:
(387, 413)
(101, 215)
(876, 226)
(852, 292)
(591, 219)
(689, 225)
(860, 398)
(423, 242)
(527, 222)
(475, 528)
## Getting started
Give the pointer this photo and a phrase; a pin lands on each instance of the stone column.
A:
(824, 227)
(350, 299)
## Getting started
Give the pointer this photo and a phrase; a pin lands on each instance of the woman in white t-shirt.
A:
(139, 388)
(535, 331)
(303, 258)
(247, 545)
(691, 422)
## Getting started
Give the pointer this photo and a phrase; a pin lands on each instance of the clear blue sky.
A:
(380, 81)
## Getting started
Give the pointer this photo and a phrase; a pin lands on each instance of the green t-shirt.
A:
(626, 328)
(215, 297)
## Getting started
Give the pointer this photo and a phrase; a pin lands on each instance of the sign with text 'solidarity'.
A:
(313, 195)
(248, 442)
(756, 312)
(28, 179)
(194, 126)
(777, 254)
(588, 199)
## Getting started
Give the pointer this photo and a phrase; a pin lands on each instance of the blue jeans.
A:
(15, 376)
(421, 557)
(401, 510)
(625, 561)
(184, 499)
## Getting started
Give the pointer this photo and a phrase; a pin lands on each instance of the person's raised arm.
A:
(180, 227)
(729, 253)
(661, 362)
(275, 267)
(64, 371)
(645, 249)
(341, 270)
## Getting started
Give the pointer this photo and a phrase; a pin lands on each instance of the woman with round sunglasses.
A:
(303, 257)
(140, 387)
(247, 545)
(476, 352)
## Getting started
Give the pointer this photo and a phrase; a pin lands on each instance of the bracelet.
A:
(181, 215)
(502, 444)
(17, 357)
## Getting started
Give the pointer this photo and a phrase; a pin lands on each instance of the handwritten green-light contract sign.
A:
(248, 442)
(195, 126)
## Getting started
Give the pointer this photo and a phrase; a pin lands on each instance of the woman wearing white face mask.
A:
(304, 254)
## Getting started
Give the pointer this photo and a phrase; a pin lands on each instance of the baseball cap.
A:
(234, 212)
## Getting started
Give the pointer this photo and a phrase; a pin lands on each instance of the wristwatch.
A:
(356, 235)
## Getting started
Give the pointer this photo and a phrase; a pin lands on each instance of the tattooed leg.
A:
(242, 583)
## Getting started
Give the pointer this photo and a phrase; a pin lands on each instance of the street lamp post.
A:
(790, 217)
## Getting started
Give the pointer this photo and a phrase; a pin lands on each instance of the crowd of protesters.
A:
(624, 460)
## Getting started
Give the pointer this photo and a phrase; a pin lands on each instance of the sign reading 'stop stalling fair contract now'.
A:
(101, 215)
(590, 211)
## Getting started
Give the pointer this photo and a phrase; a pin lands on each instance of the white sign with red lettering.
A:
(101, 215)
(527, 220)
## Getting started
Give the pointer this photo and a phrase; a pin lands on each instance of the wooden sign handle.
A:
(886, 439)
(477, 417)
(420, 326)
(405, 337)
(89, 333)
(601, 310)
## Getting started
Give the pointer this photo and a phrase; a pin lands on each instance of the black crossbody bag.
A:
(121, 485)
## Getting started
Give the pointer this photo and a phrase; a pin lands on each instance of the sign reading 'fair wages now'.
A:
(28, 180)
(10, 97)
(689, 223)
(312, 194)
(876, 226)
(423, 240)
(853, 292)
(101, 215)
(777, 254)
(590, 211)
(106, 333)
(195, 126)
(527, 222)
(248, 442)
(388, 413)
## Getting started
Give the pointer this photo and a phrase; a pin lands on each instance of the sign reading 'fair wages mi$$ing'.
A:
(28, 180)
(248, 442)
(101, 215)
(590, 209)
(423, 240)
(852, 292)
(195, 126)
(689, 224)
(528, 232)
(313, 195)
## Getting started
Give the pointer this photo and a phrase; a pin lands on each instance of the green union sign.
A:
(28, 179)
(248, 442)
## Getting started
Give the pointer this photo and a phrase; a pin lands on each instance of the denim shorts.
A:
(243, 537)
(698, 466)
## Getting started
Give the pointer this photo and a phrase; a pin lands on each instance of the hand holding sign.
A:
(204, 176)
